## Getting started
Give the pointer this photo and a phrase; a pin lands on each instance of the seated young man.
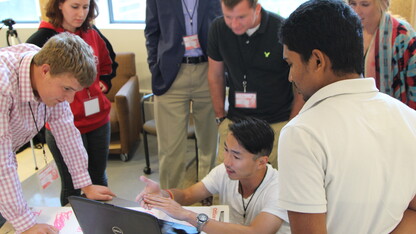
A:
(347, 160)
(244, 181)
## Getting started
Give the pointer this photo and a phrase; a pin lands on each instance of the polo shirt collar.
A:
(350, 86)
(263, 24)
(264, 21)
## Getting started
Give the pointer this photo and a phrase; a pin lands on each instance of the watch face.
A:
(202, 217)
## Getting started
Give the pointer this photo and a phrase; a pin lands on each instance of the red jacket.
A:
(88, 123)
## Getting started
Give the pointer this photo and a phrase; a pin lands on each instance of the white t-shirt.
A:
(350, 153)
(264, 199)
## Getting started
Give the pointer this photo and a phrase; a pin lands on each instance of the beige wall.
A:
(404, 8)
(42, 4)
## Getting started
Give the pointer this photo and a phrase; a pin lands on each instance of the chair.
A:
(125, 113)
(149, 127)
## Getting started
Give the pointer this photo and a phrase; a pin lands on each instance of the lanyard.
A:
(193, 12)
(241, 40)
(37, 129)
(252, 195)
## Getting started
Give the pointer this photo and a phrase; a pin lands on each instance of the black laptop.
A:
(95, 217)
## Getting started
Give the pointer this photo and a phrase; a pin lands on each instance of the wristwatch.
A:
(219, 120)
(201, 220)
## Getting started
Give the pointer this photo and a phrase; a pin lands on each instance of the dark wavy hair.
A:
(56, 17)
(330, 26)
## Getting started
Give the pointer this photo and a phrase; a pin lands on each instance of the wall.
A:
(123, 40)
(404, 8)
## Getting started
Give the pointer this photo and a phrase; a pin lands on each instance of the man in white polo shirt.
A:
(348, 160)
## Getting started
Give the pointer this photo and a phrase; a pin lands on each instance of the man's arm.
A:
(176, 211)
(186, 196)
(69, 141)
(216, 82)
(408, 222)
(307, 223)
(412, 204)
(191, 195)
(152, 32)
(297, 103)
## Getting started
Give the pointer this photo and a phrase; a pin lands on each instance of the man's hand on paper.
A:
(169, 206)
(151, 187)
(41, 228)
(98, 192)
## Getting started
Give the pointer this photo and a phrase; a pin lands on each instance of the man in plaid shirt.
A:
(37, 85)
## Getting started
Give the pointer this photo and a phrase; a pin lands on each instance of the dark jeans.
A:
(2, 220)
(97, 144)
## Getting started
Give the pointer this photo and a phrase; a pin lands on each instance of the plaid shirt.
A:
(17, 127)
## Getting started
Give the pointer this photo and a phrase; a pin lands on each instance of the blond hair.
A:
(382, 4)
(68, 53)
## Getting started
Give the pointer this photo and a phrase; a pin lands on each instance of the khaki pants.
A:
(172, 111)
(223, 131)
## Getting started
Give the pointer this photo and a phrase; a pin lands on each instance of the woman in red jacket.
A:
(90, 107)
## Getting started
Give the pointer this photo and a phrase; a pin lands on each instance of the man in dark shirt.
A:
(244, 45)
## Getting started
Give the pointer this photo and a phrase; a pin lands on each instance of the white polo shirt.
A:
(351, 152)
(264, 199)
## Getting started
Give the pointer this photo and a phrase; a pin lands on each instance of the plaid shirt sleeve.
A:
(12, 204)
(68, 139)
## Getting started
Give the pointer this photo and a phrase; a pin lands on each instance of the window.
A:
(21, 11)
(118, 11)
(134, 11)
(127, 11)
(281, 7)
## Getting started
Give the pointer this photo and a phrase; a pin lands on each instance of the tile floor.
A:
(123, 177)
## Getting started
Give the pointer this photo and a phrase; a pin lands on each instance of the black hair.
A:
(255, 135)
(330, 26)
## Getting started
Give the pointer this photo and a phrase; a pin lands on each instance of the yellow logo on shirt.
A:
(266, 54)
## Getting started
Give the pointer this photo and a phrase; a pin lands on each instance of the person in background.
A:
(347, 160)
(90, 107)
(244, 181)
(244, 44)
(389, 50)
(37, 86)
(176, 41)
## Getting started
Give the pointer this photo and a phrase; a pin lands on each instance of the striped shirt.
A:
(17, 126)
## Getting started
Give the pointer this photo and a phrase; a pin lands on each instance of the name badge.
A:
(246, 100)
(91, 106)
(191, 42)
(48, 174)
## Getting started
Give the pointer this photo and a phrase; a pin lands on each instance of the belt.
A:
(194, 60)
